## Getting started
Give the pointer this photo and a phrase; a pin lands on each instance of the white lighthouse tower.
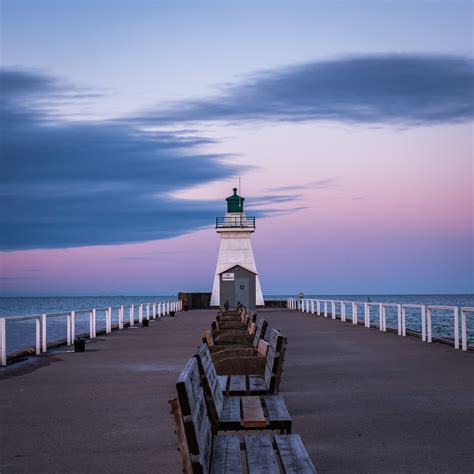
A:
(236, 279)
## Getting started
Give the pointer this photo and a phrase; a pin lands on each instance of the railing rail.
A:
(153, 310)
(235, 222)
(426, 312)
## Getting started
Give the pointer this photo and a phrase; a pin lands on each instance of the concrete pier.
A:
(363, 401)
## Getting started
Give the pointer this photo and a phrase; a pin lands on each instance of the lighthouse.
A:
(236, 279)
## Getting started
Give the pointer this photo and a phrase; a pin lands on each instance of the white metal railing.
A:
(320, 307)
(145, 311)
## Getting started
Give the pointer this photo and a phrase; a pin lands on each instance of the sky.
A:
(126, 124)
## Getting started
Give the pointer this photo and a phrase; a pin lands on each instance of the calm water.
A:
(21, 334)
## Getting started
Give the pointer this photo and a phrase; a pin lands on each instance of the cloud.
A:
(69, 184)
(406, 89)
(320, 184)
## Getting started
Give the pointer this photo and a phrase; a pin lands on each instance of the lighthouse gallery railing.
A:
(237, 221)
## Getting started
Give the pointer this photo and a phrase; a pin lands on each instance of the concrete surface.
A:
(363, 401)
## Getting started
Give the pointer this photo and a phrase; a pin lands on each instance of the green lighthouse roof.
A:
(235, 203)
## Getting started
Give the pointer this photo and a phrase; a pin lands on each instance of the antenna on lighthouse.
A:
(240, 194)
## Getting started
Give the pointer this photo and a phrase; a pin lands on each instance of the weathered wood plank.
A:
(261, 458)
(226, 455)
(183, 445)
(257, 384)
(208, 338)
(231, 410)
(197, 425)
(223, 379)
(238, 384)
(276, 408)
(262, 348)
(252, 413)
(293, 454)
(260, 331)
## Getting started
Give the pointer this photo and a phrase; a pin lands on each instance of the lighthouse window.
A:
(241, 287)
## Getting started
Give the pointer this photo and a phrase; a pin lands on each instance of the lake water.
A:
(21, 334)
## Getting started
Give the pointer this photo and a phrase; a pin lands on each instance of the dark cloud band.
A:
(402, 89)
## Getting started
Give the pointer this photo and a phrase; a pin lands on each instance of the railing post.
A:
(343, 311)
(3, 342)
(463, 329)
(109, 328)
(94, 323)
(354, 312)
(159, 309)
(367, 315)
(428, 324)
(380, 317)
(384, 318)
(325, 309)
(131, 315)
(140, 314)
(121, 317)
(168, 308)
(68, 330)
(38, 335)
(399, 319)
(423, 323)
(404, 321)
(43, 333)
(154, 311)
(91, 325)
(148, 311)
(73, 326)
(333, 310)
(312, 306)
(456, 327)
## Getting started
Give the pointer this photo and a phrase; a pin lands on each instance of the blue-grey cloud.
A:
(320, 184)
(69, 184)
(404, 89)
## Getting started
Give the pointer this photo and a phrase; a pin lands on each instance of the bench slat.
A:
(276, 408)
(238, 384)
(261, 458)
(293, 454)
(262, 348)
(252, 413)
(231, 410)
(223, 382)
(257, 384)
(226, 455)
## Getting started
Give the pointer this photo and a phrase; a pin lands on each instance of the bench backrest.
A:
(274, 361)
(208, 339)
(210, 383)
(197, 426)
(260, 331)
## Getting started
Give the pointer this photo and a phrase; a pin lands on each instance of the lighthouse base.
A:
(235, 251)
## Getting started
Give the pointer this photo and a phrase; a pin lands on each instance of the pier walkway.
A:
(363, 401)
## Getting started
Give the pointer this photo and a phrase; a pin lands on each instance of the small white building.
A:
(236, 250)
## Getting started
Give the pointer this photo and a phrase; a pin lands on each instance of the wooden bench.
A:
(265, 383)
(234, 412)
(223, 325)
(204, 451)
(248, 338)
